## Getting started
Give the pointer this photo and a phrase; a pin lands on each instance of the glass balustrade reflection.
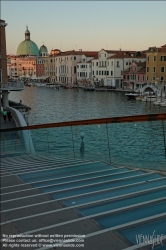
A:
(40, 141)
(139, 144)
(11, 141)
(60, 142)
(91, 142)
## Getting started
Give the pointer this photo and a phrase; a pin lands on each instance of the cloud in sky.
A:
(87, 25)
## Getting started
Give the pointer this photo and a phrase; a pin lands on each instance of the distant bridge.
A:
(159, 89)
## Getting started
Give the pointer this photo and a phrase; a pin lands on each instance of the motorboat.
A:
(56, 88)
(67, 87)
(89, 89)
(41, 84)
(132, 95)
(163, 104)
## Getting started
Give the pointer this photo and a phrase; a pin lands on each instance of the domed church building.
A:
(43, 51)
(27, 47)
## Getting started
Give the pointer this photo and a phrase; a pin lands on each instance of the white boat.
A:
(163, 104)
(50, 85)
(157, 102)
(131, 95)
(40, 84)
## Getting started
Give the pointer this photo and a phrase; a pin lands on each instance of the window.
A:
(163, 58)
(107, 73)
(147, 69)
(111, 73)
(147, 78)
(102, 72)
(143, 78)
(96, 63)
(93, 73)
(154, 58)
(161, 78)
(154, 69)
(111, 63)
(74, 69)
(96, 72)
(99, 72)
(162, 69)
(117, 64)
(77, 66)
(138, 77)
(74, 57)
(153, 78)
(126, 63)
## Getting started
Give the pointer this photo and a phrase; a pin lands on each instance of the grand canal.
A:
(48, 105)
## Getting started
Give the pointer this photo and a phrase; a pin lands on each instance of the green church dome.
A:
(43, 48)
(27, 47)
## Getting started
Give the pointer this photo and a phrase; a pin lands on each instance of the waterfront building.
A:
(135, 76)
(156, 64)
(61, 67)
(108, 69)
(84, 69)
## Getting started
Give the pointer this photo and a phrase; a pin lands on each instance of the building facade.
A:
(156, 64)
(62, 67)
(135, 76)
(107, 69)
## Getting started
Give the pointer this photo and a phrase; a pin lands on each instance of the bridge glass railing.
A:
(136, 143)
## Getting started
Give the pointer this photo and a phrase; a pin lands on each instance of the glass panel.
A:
(91, 142)
(60, 142)
(40, 141)
(15, 142)
(139, 144)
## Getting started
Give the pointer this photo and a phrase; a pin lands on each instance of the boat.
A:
(100, 89)
(40, 84)
(163, 104)
(67, 87)
(89, 89)
(56, 88)
(157, 102)
(50, 85)
(132, 95)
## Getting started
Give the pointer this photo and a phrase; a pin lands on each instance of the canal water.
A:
(49, 105)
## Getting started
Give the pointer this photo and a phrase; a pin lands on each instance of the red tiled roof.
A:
(126, 56)
(73, 52)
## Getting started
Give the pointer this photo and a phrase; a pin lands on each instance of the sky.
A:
(86, 25)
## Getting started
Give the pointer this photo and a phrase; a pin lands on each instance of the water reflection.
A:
(50, 106)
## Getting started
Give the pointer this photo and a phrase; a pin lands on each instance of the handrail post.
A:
(72, 141)
(108, 143)
(48, 143)
(164, 137)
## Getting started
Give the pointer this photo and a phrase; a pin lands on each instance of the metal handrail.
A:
(137, 118)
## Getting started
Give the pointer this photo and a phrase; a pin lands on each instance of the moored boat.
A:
(132, 95)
